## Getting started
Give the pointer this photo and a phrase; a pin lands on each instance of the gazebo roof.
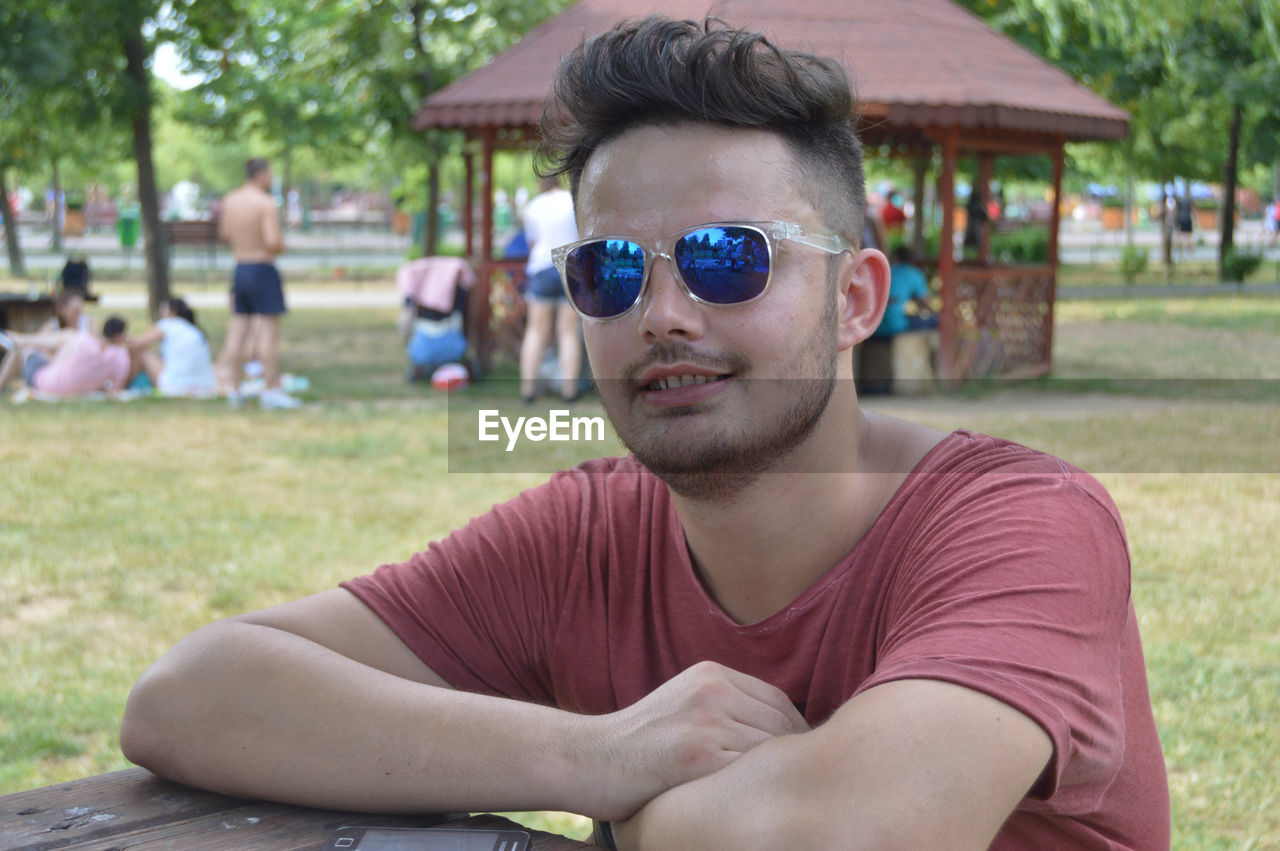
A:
(916, 64)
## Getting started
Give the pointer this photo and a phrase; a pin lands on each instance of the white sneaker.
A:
(277, 399)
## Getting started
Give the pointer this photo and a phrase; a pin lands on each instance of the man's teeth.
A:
(673, 381)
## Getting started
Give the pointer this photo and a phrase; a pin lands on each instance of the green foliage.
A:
(1024, 245)
(1238, 265)
(1133, 262)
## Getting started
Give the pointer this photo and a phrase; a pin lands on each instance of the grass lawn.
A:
(123, 526)
(1184, 272)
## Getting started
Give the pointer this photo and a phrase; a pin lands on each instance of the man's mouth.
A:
(671, 382)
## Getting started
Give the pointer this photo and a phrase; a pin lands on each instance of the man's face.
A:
(765, 369)
(263, 180)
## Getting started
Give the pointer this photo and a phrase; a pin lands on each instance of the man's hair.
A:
(659, 71)
(255, 166)
(113, 327)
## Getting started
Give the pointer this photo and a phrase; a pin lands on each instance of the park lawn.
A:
(1184, 273)
(126, 525)
(1230, 337)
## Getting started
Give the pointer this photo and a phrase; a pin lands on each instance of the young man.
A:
(785, 622)
(251, 224)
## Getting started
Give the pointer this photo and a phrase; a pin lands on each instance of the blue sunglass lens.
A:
(723, 265)
(605, 277)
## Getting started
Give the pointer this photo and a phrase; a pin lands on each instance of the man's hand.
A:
(694, 725)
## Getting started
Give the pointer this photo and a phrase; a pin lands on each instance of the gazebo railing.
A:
(999, 322)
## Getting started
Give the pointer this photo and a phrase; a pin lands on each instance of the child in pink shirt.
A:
(83, 363)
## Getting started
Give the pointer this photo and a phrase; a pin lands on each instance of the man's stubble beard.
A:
(724, 464)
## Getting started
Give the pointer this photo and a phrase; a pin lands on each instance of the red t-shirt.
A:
(994, 567)
(892, 216)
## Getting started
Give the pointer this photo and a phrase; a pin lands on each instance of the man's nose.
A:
(667, 312)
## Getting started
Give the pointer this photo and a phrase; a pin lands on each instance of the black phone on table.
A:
(355, 838)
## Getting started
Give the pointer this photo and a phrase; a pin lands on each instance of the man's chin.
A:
(712, 474)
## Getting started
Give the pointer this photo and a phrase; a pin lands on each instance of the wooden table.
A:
(21, 312)
(136, 809)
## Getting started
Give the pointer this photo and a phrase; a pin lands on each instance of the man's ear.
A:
(863, 291)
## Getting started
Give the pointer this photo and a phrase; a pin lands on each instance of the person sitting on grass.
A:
(68, 362)
(68, 312)
(183, 366)
(907, 285)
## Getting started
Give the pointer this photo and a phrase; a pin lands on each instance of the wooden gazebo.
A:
(930, 78)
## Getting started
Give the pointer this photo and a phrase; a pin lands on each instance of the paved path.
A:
(354, 248)
(1163, 291)
(382, 295)
(328, 298)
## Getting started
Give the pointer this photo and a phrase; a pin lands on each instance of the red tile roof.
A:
(918, 63)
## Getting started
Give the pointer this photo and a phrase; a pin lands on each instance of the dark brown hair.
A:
(179, 308)
(255, 166)
(114, 327)
(659, 71)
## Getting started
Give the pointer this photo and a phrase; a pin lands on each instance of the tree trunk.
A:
(135, 51)
(431, 242)
(919, 168)
(286, 186)
(1128, 211)
(58, 214)
(16, 267)
(431, 215)
(1229, 177)
(1167, 225)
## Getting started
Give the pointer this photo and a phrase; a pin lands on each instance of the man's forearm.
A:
(258, 712)
(746, 805)
(907, 764)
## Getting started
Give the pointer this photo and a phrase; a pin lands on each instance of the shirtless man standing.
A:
(251, 224)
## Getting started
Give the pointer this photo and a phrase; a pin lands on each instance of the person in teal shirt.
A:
(906, 284)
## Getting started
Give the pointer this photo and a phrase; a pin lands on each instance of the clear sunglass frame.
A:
(773, 233)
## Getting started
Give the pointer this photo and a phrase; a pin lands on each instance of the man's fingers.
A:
(765, 696)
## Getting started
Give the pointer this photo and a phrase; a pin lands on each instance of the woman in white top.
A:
(549, 222)
(183, 365)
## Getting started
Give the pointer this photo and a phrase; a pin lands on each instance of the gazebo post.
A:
(1055, 215)
(917, 200)
(468, 196)
(982, 185)
(484, 310)
(946, 257)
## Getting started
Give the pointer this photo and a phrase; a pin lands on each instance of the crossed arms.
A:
(318, 702)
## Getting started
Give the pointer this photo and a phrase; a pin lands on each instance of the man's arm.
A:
(907, 764)
(272, 238)
(318, 702)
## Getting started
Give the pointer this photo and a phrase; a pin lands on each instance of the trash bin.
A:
(127, 224)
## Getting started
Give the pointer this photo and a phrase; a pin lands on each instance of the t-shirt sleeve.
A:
(478, 606)
(1019, 589)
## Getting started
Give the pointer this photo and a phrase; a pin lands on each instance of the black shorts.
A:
(256, 289)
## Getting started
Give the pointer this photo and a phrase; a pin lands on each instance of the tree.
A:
(1157, 60)
(392, 69)
(47, 113)
(266, 71)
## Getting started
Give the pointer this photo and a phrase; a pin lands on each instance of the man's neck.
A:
(761, 550)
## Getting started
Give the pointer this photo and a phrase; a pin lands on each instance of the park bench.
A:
(195, 233)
